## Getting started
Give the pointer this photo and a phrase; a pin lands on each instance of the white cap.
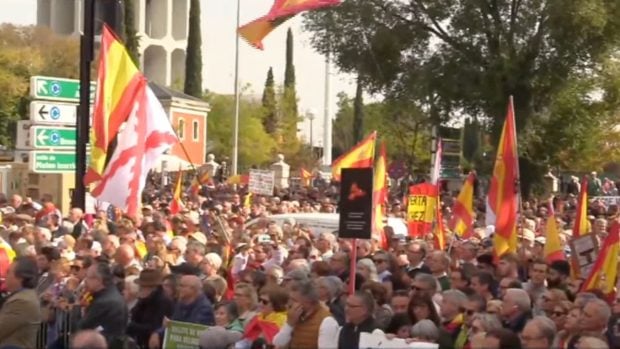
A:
(541, 240)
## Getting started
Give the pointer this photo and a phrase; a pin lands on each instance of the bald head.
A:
(125, 254)
(88, 339)
(192, 281)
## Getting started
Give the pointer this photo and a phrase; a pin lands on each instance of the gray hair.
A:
(490, 322)
(592, 342)
(333, 284)
(520, 298)
(307, 289)
(425, 329)
(455, 296)
(196, 247)
(546, 327)
(368, 263)
(603, 309)
(428, 280)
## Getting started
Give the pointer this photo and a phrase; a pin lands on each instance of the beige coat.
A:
(20, 317)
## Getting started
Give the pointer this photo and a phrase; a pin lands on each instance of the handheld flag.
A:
(439, 233)
(582, 226)
(118, 84)
(361, 155)
(379, 197)
(177, 205)
(436, 174)
(306, 177)
(553, 250)
(605, 269)
(462, 223)
(504, 189)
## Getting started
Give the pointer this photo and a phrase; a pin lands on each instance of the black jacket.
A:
(147, 316)
(107, 312)
(349, 337)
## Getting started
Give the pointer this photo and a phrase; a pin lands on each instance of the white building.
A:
(162, 27)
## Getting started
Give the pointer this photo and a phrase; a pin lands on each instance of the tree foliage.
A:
(26, 51)
(358, 111)
(289, 74)
(455, 58)
(270, 120)
(193, 58)
(256, 147)
(131, 38)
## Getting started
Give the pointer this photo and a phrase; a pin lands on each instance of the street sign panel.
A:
(22, 139)
(53, 113)
(57, 89)
(51, 162)
(53, 137)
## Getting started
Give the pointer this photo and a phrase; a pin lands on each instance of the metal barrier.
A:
(56, 334)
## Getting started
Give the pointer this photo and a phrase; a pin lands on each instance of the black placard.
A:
(355, 203)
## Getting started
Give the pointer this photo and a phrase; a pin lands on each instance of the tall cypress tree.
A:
(358, 110)
(270, 120)
(132, 41)
(289, 73)
(193, 58)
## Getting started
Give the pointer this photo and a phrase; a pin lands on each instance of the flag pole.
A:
(327, 122)
(87, 43)
(235, 155)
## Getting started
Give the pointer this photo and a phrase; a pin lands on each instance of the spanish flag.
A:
(238, 179)
(462, 223)
(198, 181)
(265, 326)
(362, 155)
(306, 177)
(439, 233)
(503, 196)
(118, 84)
(177, 204)
(553, 250)
(7, 254)
(605, 269)
(281, 11)
(379, 196)
(582, 225)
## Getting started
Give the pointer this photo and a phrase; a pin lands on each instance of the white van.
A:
(323, 222)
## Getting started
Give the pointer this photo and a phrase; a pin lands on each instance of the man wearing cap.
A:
(153, 305)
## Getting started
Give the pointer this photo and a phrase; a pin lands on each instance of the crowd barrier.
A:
(55, 334)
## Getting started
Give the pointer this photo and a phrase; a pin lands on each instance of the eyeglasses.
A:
(264, 301)
(558, 313)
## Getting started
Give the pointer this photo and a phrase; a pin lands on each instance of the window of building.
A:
(195, 130)
(181, 129)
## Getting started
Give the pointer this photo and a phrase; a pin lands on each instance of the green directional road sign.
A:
(57, 89)
(53, 137)
(52, 162)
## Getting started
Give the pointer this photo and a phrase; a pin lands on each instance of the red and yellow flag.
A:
(553, 250)
(118, 83)
(379, 196)
(421, 209)
(176, 205)
(503, 191)
(281, 11)
(198, 181)
(439, 233)
(605, 269)
(361, 155)
(306, 177)
(238, 179)
(462, 223)
(582, 225)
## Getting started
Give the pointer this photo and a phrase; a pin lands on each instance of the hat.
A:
(528, 235)
(147, 207)
(198, 236)
(541, 240)
(185, 269)
(193, 217)
(149, 278)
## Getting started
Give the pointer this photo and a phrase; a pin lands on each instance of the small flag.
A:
(176, 205)
(379, 197)
(553, 250)
(582, 225)
(360, 156)
(605, 269)
(306, 177)
(462, 223)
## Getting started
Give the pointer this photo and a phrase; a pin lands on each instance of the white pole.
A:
(327, 120)
(235, 156)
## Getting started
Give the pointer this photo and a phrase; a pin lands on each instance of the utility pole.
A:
(82, 125)
(235, 155)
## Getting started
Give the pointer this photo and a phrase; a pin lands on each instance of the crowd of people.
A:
(111, 281)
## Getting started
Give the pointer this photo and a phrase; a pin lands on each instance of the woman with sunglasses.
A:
(272, 314)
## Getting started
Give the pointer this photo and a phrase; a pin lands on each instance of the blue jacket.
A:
(198, 312)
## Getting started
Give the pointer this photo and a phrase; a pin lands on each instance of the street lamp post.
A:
(235, 155)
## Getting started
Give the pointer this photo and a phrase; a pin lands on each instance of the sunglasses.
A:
(264, 301)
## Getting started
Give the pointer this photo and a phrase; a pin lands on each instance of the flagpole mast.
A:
(327, 122)
(235, 155)
(82, 123)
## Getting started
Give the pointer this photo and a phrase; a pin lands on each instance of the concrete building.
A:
(162, 26)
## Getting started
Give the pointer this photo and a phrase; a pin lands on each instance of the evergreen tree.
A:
(270, 120)
(132, 41)
(358, 111)
(289, 72)
(193, 59)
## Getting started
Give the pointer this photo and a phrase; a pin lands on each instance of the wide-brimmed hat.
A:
(149, 278)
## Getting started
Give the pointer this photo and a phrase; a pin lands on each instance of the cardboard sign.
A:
(261, 182)
(181, 335)
(421, 208)
(584, 251)
(355, 205)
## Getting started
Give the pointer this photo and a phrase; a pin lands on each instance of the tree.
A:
(256, 147)
(26, 51)
(471, 139)
(289, 73)
(358, 111)
(270, 120)
(193, 58)
(465, 58)
(131, 38)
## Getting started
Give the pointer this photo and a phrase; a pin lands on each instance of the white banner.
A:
(262, 182)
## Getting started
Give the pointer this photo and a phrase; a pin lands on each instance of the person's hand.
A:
(165, 322)
(390, 336)
(294, 315)
(154, 341)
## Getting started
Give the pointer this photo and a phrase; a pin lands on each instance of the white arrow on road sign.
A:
(41, 87)
(53, 113)
(41, 136)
